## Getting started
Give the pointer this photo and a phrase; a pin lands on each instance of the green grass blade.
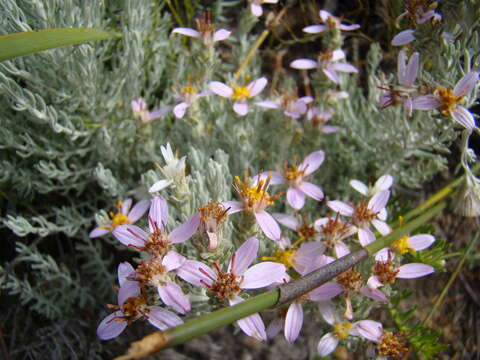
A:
(29, 42)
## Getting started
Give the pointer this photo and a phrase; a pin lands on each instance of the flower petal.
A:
(412, 69)
(328, 312)
(159, 185)
(312, 190)
(267, 104)
(257, 86)
(109, 328)
(129, 289)
(383, 255)
(349, 27)
(374, 294)
(312, 162)
(420, 242)
(195, 273)
(365, 236)
(466, 84)
(359, 186)
(315, 29)
(158, 214)
(262, 275)
(384, 182)
(125, 269)
(185, 231)
(295, 198)
(186, 32)
(414, 270)
(97, 232)
(327, 344)
(404, 37)
(244, 256)
(233, 206)
(162, 318)
(307, 254)
(326, 292)
(180, 109)
(240, 108)
(256, 9)
(220, 89)
(341, 207)
(268, 225)
(173, 260)
(463, 117)
(138, 210)
(155, 114)
(172, 295)
(274, 327)
(251, 325)
(426, 102)
(381, 226)
(341, 249)
(130, 235)
(293, 322)
(276, 177)
(368, 329)
(287, 220)
(343, 67)
(221, 34)
(324, 15)
(378, 201)
(126, 205)
(304, 64)
(332, 75)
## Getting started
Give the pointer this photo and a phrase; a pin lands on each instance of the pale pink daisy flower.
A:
(332, 232)
(255, 199)
(447, 100)
(256, 6)
(383, 183)
(174, 169)
(367, 329)
(304, 230)
(404, 92)
(131, 306)
(328, 62)
(291, 105)
(239, 94)
(318, 119)
(141, 113)
(226, 285)
(296, 176)
(125, 215)
(364, 214)
(205, 31)
(331, 22)
(406, 244)
(187, 96)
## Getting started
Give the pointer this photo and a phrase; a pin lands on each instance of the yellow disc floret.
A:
(254, 197)
(285, 257)
(241, 93)
(402, 246)
(342, 330)
(447, 100)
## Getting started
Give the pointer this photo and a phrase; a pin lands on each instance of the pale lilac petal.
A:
(185, 231)
(130, 235)
(233, 206)
(268, 225)
(365, 236)
(359, 186)
(374, 282)
(325, 292)
(126, 205)
(324, 15)
(274, 327)
(270, 1)
(311, 190)
(404, 37)
(195, 273)
(312, 162)
(155, 114)
(158, 214)
(162, 318)
(267, 104)
(304, 64)
(220, 89)
(381, 226)
(374, 294)
(343, 67)
(276, 177)
(368, 329)
(337, 54)
(463, 117)
(383, 183)
(129, 289)
(240, 108)
(256, 9)
(378, 201)
(328, 312)
(319, 223)
(109, 328)
(160, 185)
(382, 214)
(341, 207)
(186, 32)
(306, 99)
(315, 29)
(307, 254)
(332, 75)
(420, 242)
(172, 295)
(349, 27)
(138, 210)
(180, 109)
(341, 249)
(383, 255)
(414, 270)
(293, 322)
(251, 325)
(287, 220)
(173, 260)
(296, 198)
(426, 102)
(97, 232)
(257, 86)
(327, 344)
(412, 69)
(466, 84)
(244, 256)
(124, 270)
(221, 34)
(262, 275)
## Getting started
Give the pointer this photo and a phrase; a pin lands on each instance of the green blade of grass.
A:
(29, 42)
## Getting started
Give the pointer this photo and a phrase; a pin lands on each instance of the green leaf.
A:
(29, 42)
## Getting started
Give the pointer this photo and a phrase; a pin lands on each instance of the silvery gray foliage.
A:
(71, 148)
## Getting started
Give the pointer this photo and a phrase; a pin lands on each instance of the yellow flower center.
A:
(402, 246)
(447, 99)
(189, 90)
(342, 330)
(118, 219)
(240, 93)
(284, 257)
(255, 198)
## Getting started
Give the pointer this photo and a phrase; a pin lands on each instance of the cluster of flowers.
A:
(318, 244)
